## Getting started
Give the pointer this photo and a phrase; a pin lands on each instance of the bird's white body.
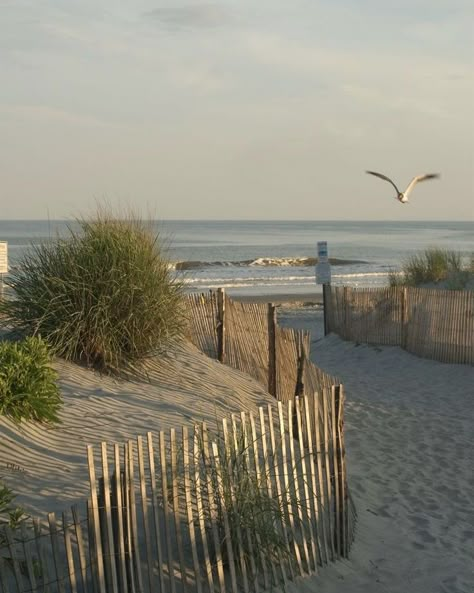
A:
(403, 196)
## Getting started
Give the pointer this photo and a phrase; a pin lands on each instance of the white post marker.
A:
(323, 267)
(323, 276)
(3, 263)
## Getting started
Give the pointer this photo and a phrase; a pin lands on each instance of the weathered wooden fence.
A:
(436, 324)
(244, 508)
(246, 336)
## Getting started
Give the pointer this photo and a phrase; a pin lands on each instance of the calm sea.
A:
(271, 257)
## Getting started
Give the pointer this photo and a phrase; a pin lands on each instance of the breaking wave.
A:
(293, 262)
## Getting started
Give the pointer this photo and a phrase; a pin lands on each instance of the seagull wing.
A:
(385, 178)
(418, 178)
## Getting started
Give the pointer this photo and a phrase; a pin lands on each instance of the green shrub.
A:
(104, 295)
(10, 514)
(28, 387)
(432, 266)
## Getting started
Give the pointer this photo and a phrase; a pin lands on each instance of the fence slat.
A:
(164, 493)
(95, 513)
(240, 547)
(13, 555)
(43, 557)
(118, 495)
(272, 359)
(286, 485)
(133, 518)
(327, 461)
(199, 505)
(268, 484)
(69, 555)
(247, 446)
(279, 489)
(241, 450)
(146, 526)
(316, 497)
(56, 554)
(323, 486)
(212, 508)
(80, 547)
(307, 497)
(28, 558)
(260, 481)
(109, 533)
(228, 539)
(176, 509)
(189, 509)
(154, 504)
(129, 554)
(295, 484)
(340, 453)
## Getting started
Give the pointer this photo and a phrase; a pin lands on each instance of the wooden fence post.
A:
(404, 318)
(299, 388)
(272, 380)
(340, 477)
(347, 312)
(220, 324)
(326, 307)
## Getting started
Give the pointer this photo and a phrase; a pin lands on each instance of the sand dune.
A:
(47, 466)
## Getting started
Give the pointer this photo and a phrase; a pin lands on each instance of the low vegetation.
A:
(10, 514)
(254, 518)
(104, 295)
(28, 383)
(435, 266)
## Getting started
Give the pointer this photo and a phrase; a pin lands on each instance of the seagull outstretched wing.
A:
(418, 178)
(385, 178)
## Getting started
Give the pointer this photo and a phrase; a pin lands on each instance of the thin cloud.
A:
(46, 114)
(190, 16)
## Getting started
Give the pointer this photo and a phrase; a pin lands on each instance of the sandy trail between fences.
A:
(409, 426)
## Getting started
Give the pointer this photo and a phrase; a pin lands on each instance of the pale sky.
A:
(236, 109)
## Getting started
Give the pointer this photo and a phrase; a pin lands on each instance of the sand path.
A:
(410, 454)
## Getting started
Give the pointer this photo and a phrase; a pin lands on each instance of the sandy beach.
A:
(409, 442)
(410, 454)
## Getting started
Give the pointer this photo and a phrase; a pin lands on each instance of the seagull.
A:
(403, 196)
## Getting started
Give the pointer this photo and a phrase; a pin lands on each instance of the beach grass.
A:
(103, 295)
(434, 266)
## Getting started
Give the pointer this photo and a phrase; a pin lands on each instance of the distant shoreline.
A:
(304, 299)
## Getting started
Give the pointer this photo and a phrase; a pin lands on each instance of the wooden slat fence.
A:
(244, 508)
(435, 324)
(204, 322)
(253, 343)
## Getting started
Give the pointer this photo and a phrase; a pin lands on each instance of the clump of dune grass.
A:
(433, 266)
(247, 515)
(254, 518)
(103, 295)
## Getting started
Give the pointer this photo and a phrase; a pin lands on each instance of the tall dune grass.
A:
(433, 265)
(104, 295)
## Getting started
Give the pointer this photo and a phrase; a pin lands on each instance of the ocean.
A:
(276, 257)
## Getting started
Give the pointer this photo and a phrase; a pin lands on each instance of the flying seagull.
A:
(403, 196)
